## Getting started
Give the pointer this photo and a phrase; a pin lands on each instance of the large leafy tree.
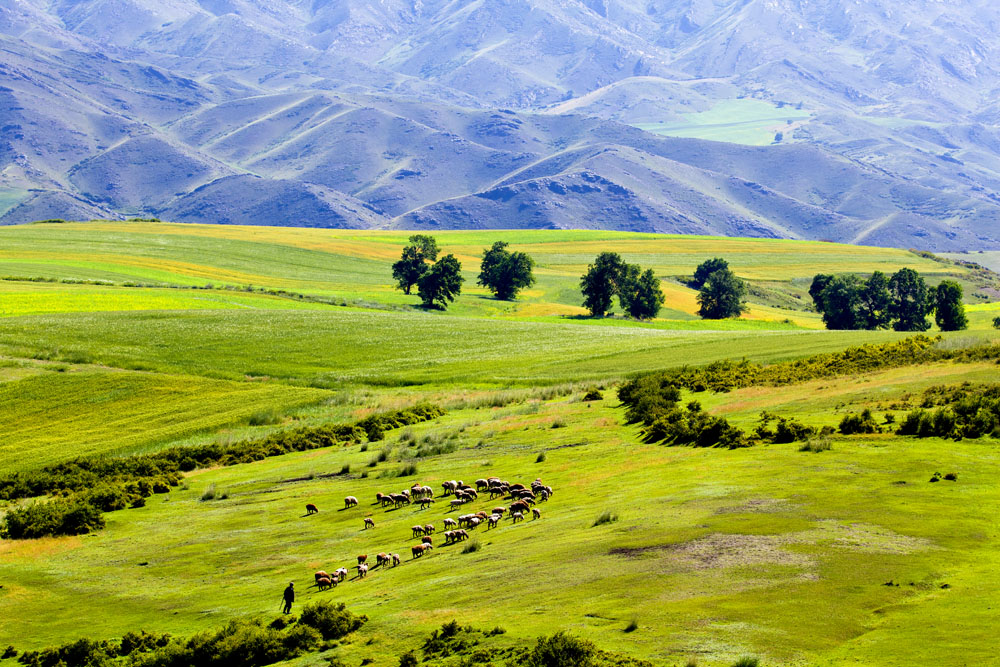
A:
(600, 283)
(441, 283)
(506, 273)
(706, 269)
(874, 302)
(640, 294)
(819, 283)
(840, 300)
(413, 262)
(722, 296)
(910, 301)
(949, 311)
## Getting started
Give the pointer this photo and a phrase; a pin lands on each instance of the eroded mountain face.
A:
(877, 118)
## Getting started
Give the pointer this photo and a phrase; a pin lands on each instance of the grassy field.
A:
(766, 551)
(742, 121)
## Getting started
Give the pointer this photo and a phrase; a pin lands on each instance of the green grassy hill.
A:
(766, 551)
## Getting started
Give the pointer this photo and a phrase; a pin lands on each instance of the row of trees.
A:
(638, 291)
(439, 281)
(902, 301)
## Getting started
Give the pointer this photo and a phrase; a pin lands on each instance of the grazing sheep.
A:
(425, 503)
(361, 559)
(482, 484)
(380, 498)
(386, 499)
(474, 521)
(517, 487)
(461, 535)
(519, 506)
(427, 491)
(499, 510)
(320, 574)
(399, 499)
(369, 523)
(517, 516)
(536, 513)
(341, 573)
(350, 501)
(362, 571)
(457, 503)
(396, 560)
(449, 536)
(426, 539)
(492, 521)
(429, 529)
(417, 530)
(449, 486)
(323, 583)
(311, 509)
(420, 549)
(382, 559)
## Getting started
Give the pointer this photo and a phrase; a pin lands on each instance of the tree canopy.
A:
(506, 273)
(722, 296)
(640, 294)
(949, 312)
(441, 283)
(706, 269)
(413, 262)
(910, 301)
(600, 284)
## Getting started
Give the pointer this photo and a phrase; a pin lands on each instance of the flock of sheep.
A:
(523, 500)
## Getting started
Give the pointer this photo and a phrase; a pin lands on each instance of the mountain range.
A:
(880, 120)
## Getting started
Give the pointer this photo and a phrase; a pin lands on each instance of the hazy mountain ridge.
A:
(366, 114)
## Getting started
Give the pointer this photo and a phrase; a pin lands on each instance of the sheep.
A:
(311, 509)
(419, 549)
(320, 574)
(429, 529)
(492, 521)
(450, 522)
(482, 484)
(461, 535)
(474, 521)
(417, 530)
(517, 487)
(369, 523)
(350, 501)
(536, 513)
(426, 539)
(519, 506)
(449, 536)
(361, 559)
(341, 573)
(399, 499)
(457, 503)
(380, 499)
(362, 571)
(449, 486)
(386, 499)
(323, 583)
(382, 559)
(425, 503)
(396, 560)
(517, 516)
(427, 491)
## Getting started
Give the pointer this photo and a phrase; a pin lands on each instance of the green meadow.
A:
(742, 121)
(126, 338)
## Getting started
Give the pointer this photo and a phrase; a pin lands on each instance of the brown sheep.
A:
(311, 509)
(482, 484)
(350, 501)
(361, 559)
(417, 530)
(425, 503)
(519, 506)
(320, 574)
(382, 559)
(427, 539)
(323, 583)
(420, 549)
(429, 529)
(461, 535)
(499, 510)
(369, 523)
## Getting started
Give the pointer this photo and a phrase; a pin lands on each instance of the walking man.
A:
(289, 597)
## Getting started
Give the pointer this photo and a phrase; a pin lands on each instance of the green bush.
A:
(747, 661)
(603, 518)
(595, 395)
(53, 517)
(863, 422)
(333, 621)
(561, 650)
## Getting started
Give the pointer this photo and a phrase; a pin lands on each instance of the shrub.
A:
(820, 444)
(996, 322)
(559, 423)
(561, 650)
(747, 661)
(595, 395)
(859, 423)
(471, 547)
(209, 493)
(53, 517)
(408, 659)
(604, 517)
(332, 621)
(9, 652)
(407, 471)
(345, 469)
(540, 458)
(632, 626)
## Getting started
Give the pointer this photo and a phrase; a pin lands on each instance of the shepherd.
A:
(289, 597)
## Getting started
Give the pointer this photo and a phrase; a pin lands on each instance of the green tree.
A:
(706, 269)
(949, 311)
(413, 262)
(841, 301)
(819, 283)
(874, 302)
(910, 301)
(506, 273)
(722, 296)
(601, 282)
(996, 322)
(441, 283)
(640, 294)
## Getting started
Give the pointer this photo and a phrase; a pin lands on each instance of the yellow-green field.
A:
(766, 551)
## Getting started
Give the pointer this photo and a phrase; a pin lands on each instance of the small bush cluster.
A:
(862, 422)
(240, 643)
(108, 484)
(958, 411)
(693, 426)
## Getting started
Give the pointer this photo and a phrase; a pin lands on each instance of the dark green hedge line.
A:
(240, 643)
(90, 486)
(959, 411)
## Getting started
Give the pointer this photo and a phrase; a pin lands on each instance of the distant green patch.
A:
(741, 121)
